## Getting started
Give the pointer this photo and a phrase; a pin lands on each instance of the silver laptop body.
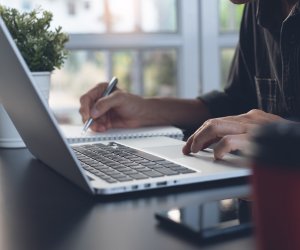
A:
(40, 132)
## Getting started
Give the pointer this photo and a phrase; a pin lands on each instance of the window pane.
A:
(122, 16)
(100, 16)
(160, 72)
(230, 16)
(226, 59)
(123, 68)
(86, 16)
(142, 16)
(81, 71)
(159, 16)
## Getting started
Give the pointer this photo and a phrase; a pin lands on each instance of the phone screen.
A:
(211, 219)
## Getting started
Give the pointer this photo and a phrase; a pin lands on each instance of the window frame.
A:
(186, 41)
(212, 42)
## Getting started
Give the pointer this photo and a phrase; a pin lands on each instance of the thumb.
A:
(105, 104)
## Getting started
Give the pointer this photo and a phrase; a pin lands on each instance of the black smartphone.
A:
(210, 220)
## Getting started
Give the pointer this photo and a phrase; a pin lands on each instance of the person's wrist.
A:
(153, 112)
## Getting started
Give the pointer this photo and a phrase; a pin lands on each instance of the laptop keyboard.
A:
(117, 163)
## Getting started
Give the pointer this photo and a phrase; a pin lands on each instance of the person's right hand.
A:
(120, 109)
(229, 133)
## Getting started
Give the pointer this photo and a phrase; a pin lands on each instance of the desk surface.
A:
(40, 210)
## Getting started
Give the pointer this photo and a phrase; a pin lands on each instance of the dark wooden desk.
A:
(40, 210)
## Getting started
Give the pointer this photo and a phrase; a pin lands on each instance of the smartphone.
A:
(210, 220)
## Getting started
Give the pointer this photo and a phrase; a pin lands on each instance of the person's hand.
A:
(117, 110)
(230, 133)
(121, 109)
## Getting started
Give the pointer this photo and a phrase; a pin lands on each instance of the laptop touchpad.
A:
(172, 151)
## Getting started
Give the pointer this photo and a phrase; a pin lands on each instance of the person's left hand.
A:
(230, 133)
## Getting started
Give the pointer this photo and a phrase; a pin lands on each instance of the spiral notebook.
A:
(73, 133)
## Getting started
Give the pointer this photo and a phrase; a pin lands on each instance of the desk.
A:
(40, 210)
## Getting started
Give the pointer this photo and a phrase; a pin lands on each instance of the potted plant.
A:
(43, 49)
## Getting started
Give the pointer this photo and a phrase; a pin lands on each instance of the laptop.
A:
(102, 168)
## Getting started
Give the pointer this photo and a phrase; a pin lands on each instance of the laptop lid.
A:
(31, 115)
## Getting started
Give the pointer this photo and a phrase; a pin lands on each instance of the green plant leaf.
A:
(42, 48)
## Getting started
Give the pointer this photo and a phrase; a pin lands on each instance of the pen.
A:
(110, 87)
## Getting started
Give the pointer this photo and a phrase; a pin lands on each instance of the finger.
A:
(231, 143)
(84, 110)
(87, 100)
(214, 130)
(187, 147)
(103, 105)
(99, 125)
(105, 123)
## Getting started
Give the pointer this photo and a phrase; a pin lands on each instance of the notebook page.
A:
(73, 133)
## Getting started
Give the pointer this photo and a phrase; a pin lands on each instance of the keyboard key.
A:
(142, 161)
(123, 169)
(127, 178)
(119, 167)
(149, 163)
(153, 174)
(86, 167)
(131, 171)
(130, 164)
(171, 165)
(176, 167)
(101, 175)
(124, 161)
(146, 156)
(134, 159)
(137, 167)
(166, 171)
(113, 164)
(117, 175)
(102, 168)
(186, 171)
(110, 180)
(144, 169)
(94, 171)
(138, 176)
(155, 166)
(109, 171)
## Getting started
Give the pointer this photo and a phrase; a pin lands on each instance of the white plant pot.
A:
(9, 136)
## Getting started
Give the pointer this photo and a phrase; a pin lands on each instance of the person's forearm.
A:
(184, 113)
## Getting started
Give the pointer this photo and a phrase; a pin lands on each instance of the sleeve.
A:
(239, 96)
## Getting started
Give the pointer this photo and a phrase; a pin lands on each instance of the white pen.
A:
(110, 87)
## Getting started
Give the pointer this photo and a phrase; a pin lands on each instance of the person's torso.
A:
(277, 65)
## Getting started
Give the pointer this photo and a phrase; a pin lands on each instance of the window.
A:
(152, 46)
(225, 63)
(155, 47)
(229, 23)
(230, 16)
(220, 21)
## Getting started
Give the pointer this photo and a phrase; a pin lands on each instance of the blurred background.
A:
(155, 47)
